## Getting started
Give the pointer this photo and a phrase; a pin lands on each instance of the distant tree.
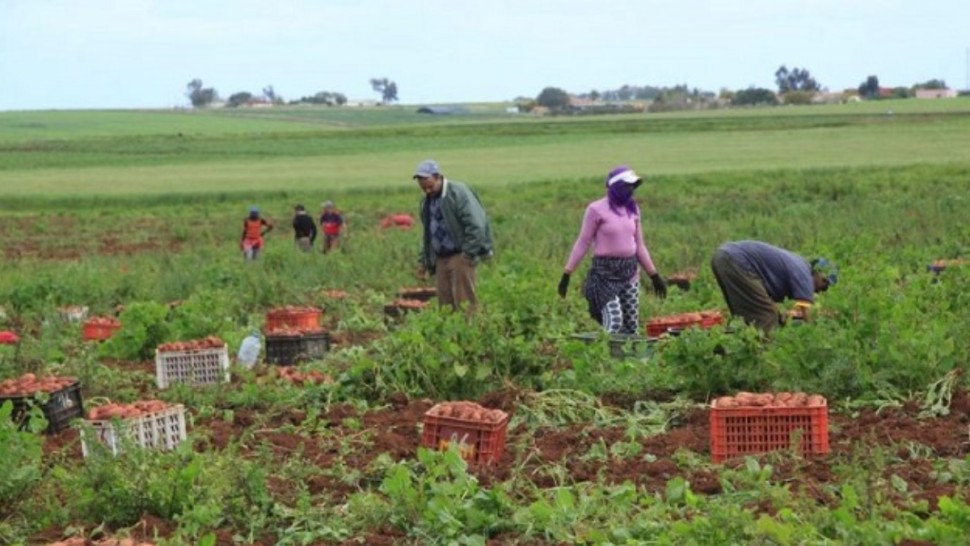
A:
(624, 92)
(901, 93)
(754, 96)
(869, 89)
(931, 84)
(270, 94)
(525, 104)
(329, 98)
(795, 80)
(322, 97)
(198, 95)
(553, 98)
(386, 88)
(238, 99)
(594, 95)
(390, 93)
(648, 92)
(798, 97)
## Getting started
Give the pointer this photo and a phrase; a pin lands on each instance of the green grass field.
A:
(82, 154)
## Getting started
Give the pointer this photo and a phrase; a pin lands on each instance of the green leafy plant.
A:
(711, 361)
(144, 326)
(440, 500)
(20, 451)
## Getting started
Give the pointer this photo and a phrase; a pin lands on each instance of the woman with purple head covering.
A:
(612, 226)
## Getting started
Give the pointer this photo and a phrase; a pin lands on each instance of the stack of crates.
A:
(293, 335)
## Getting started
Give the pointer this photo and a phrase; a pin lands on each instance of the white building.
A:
(936, 93)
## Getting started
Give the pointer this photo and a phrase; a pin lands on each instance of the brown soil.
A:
(355, 439)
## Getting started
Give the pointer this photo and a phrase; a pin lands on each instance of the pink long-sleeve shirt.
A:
(611, 234)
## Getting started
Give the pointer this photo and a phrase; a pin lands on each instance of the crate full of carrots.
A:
(477, 432)
(755, 423)
(196, 362)
(150, 424)
(59, 398)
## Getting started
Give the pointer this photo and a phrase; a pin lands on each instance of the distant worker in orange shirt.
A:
(254, 229)
(332, 223)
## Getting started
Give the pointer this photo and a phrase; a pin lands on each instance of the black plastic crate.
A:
(425, 293)
(289, 350)
(316, 345)
(61, 407)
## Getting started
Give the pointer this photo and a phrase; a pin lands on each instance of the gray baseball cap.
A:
(428, 167)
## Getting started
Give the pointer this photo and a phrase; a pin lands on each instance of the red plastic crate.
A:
(304, 318)
(736, 432)
(703, 319)
(99, 328)
(478, 442)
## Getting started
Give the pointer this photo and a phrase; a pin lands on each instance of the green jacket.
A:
(466, 220)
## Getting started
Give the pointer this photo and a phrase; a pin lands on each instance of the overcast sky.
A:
(61, 54)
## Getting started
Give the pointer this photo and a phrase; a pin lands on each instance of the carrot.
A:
(815, 400)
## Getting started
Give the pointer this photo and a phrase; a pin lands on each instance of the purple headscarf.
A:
(620, 183)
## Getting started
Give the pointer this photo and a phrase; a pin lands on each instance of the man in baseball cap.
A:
(457, 235)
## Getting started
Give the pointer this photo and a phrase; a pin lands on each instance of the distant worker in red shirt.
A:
(332, 223)
(254, 229)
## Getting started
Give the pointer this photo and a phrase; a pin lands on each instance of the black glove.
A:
(659, 285)
(563, 285)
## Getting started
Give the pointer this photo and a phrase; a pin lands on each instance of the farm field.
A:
(132, 221)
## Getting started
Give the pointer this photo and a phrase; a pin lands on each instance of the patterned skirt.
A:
(607, 277)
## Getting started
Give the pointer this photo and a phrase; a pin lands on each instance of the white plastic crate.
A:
(163, 430)
(195, 367)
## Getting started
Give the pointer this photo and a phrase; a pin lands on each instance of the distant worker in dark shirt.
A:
(754, 276)
(332, 223)
(254, 230)
(304, 229)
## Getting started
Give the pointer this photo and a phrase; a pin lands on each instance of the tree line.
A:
(794, 86)
(200, 96)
